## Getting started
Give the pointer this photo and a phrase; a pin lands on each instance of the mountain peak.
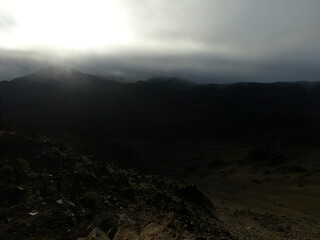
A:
(57, 74)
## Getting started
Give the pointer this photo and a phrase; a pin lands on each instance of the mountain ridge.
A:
(160, 108)
(59, 72)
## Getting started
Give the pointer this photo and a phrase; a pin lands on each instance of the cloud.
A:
(6, 22)
(241, 28)
(207, 40)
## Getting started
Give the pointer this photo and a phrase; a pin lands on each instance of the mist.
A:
(207, 41)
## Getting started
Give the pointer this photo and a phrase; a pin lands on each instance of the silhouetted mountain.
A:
(1, 121)
(55, 73)
(60, 76)
(64, 99)
(169, 82)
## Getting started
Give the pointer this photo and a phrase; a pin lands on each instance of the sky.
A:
(201, 40)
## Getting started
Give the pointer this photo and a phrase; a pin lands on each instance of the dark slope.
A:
(58, 98)
(169, 82)
(50, 191)
(61, 78)
(56, 73)
(52, 98)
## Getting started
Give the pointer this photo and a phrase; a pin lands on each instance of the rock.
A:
(192, 194)
(96, 234)
(125, 220)
(128, 232)
(33, 213)
(128, 229)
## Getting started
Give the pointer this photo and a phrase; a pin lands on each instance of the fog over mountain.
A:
(205, 41)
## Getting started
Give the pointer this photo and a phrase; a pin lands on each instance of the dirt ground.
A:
(262, 199)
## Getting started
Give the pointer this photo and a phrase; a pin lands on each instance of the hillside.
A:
(86, 154)
(50, 191)
(57, 98)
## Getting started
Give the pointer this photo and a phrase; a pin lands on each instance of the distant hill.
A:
(60, 76)
(57, 98)
(169, 82)
(55, 73)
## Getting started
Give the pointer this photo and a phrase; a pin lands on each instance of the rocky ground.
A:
(50, 191)
(267, 192)
(53, 189)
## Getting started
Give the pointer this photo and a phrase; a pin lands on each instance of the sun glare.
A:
(69, 24)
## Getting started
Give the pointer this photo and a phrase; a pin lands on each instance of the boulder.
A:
(96, 234)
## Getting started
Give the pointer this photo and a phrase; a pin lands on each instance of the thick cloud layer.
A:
(205, 41)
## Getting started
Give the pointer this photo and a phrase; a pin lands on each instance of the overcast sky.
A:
(202, 40)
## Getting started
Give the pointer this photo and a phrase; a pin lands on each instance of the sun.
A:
(70, 24)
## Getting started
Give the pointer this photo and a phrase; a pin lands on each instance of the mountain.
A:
(160, 108)
(91, 148)
(60, 76)
(169, 82)
(51, 97)
(55, 73)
